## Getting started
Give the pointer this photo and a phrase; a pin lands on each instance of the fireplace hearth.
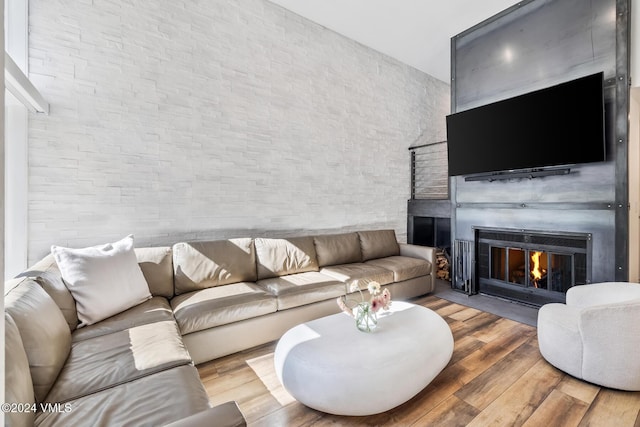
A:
(534, 267)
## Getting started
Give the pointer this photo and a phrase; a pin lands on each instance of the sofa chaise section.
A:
(129, 369)
(100, 363)
(154, 400)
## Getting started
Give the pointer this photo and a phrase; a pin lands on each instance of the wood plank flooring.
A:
(496, 377)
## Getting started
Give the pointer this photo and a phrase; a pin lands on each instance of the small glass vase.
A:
(366, 318)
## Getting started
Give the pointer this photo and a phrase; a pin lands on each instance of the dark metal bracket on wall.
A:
(523, 174)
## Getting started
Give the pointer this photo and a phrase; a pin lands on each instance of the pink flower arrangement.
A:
(380, 299)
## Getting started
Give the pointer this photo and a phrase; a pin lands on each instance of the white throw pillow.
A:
(104, 280)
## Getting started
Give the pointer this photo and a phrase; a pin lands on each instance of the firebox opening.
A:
(544, 270)
(531, 267)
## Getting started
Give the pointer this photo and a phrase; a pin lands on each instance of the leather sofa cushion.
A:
(201, 265)
(336, 249)
(153, 400)
(359, 273)
(220, 305)
(17, 378)
(157, 268)
(279, 257)
(100, 363)
(45, 333)
(404, 268)
(224, 415)
(302, 288)
(378, 244)
(47, 274)
(157, 309)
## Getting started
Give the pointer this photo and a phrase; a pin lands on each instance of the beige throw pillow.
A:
(104, 280)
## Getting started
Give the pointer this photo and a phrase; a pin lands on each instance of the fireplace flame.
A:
(536, 271)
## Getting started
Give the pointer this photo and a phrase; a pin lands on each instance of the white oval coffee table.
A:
(329, 365)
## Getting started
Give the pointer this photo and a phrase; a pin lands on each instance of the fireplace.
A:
(534, 267)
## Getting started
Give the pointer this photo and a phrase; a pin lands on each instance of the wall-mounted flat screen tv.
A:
(558, 125)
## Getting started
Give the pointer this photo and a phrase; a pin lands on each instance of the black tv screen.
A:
(558, 125)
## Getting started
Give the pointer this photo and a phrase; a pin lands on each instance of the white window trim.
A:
(21, 96)
(19, 85)
(16, 155)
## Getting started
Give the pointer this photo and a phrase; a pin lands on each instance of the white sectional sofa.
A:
(206, 300)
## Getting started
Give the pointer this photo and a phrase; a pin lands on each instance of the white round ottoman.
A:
(329, 365)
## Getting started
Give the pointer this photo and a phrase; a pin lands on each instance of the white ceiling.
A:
(416, 32)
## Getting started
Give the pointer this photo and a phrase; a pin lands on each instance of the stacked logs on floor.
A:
(442, 266)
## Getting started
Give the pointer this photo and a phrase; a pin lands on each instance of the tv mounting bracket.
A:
(518, 174)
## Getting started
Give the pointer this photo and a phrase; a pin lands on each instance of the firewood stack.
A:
(442, 266)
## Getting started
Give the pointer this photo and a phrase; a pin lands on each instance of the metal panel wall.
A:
(532, 45)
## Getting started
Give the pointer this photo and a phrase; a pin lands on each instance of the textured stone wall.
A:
(210, 119)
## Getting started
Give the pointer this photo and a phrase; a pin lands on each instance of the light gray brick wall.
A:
(177, 120)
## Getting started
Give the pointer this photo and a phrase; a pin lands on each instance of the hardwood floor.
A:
(496, 377)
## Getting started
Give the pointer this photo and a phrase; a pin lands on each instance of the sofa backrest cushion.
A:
(44, 332)
(156, 264)
(334, 249)
(47, 274)
(157, 267)
(378, 244)
(104, 280)
(17, 378)
(279, 257)
(201, 265)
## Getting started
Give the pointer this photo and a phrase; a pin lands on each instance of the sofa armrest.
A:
(225, 415)
(416, 251)
(422, 252)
